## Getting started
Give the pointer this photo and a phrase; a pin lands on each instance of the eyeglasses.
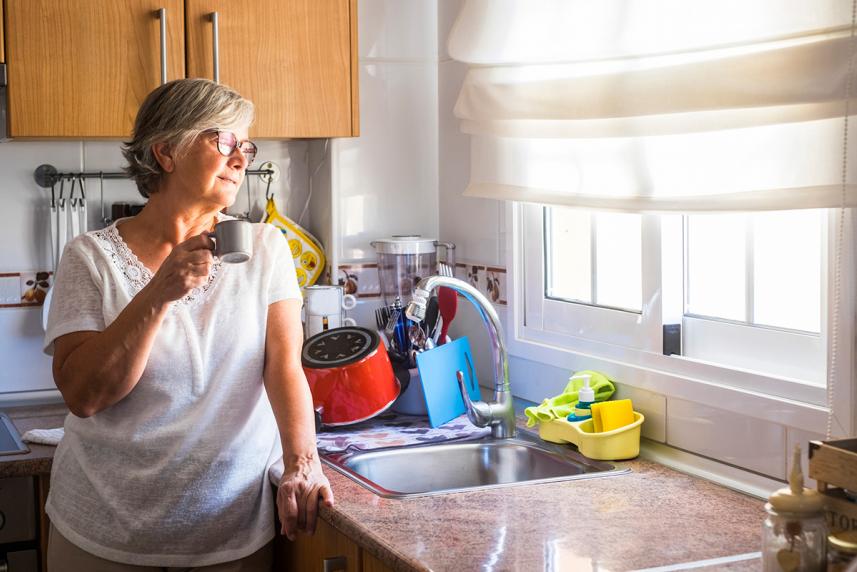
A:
(227, 142)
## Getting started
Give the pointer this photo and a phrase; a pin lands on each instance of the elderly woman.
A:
(183, 374)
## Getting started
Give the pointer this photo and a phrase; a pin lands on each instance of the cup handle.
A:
(349, 322)
(348, 301)
(213, 236)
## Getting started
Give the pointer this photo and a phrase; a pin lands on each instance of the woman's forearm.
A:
(107, 366)
(291, 401)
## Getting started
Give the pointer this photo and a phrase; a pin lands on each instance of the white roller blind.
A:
(645, 105)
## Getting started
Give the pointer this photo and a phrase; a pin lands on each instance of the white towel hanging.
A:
(62, 226)
(53, 221)
(81, 211)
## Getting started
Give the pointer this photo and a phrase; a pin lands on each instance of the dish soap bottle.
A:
(794, 535)
(585, 399)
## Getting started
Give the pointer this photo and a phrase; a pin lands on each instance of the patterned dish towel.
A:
(395, 430)
(44, 436)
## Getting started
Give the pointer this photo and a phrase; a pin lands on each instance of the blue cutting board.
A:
(438, 369)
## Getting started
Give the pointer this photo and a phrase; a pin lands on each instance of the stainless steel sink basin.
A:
(440, 468)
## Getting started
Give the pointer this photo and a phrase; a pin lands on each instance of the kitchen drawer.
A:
(17, 510)
(20, 561)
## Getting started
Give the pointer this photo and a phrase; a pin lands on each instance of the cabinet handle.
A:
(335, 564)
(162, 15)
(215, 46)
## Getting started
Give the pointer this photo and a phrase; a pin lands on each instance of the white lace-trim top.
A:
(134, 271)
(173, 474)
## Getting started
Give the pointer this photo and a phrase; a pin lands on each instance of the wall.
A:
(24, 232)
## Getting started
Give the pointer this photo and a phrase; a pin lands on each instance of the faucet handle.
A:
(478, 412)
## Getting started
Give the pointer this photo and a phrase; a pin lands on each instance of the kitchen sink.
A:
(440, 468)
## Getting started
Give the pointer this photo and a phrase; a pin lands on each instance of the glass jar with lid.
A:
(794, 535)
(842, 551)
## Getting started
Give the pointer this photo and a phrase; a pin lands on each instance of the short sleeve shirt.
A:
(174, 474)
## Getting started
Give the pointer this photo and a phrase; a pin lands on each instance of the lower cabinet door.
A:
(328, 550)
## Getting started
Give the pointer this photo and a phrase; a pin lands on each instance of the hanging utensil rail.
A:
(47, 175)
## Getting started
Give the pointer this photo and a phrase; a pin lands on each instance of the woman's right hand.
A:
(187, 267)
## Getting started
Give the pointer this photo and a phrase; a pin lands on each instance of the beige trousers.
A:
(63, 556)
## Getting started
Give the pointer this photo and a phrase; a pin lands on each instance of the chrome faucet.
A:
(500, 413)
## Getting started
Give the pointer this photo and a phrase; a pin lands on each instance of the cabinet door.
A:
(81, 68)
(295, 59)
(327, 549)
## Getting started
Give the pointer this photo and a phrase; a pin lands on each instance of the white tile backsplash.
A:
(387, 179)
(652, 405)
(471, 223)
(802, 438)
(24, 366)
(397, 30)
(726, 436)
(24, 232)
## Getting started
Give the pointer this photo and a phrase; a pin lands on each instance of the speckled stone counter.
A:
(650, 517)
(38, 460)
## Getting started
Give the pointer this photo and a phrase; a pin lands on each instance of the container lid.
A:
(405, 244)
(844, 541)
(339, 347)
(795, 498)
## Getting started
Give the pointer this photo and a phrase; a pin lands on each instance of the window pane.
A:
(618, 260)
(568, 254)
(716, 255)
(787, 269)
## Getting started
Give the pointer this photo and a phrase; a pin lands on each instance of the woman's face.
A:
(209, 175)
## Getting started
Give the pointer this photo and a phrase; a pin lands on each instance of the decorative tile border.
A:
(362, 281)
(32, 289)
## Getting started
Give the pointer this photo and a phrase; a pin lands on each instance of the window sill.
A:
(779, 410)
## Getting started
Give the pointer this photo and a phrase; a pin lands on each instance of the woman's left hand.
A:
(301, 489)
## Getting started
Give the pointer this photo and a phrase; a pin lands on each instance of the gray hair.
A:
(176, 113)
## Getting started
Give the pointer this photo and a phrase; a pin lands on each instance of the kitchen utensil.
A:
(621, 443)
(437, 370)
(431, 317)
(349, 375)
(403, 260)
(447, 301)
(233, 241)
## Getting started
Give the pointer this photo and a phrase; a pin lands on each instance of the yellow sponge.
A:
(609, 415)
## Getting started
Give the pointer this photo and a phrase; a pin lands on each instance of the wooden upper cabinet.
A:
(81, 68)
(296, 60)
(2, 41)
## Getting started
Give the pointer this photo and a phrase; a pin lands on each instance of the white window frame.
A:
(791, 402)
(715, 340)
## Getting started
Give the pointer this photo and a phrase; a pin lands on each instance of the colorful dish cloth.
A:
(563, 404)
(44, 436)
(395, 430)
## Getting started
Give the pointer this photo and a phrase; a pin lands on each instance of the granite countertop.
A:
(650, 517)
(38, 460)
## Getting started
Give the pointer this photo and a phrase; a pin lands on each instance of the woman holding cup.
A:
(182, 371)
